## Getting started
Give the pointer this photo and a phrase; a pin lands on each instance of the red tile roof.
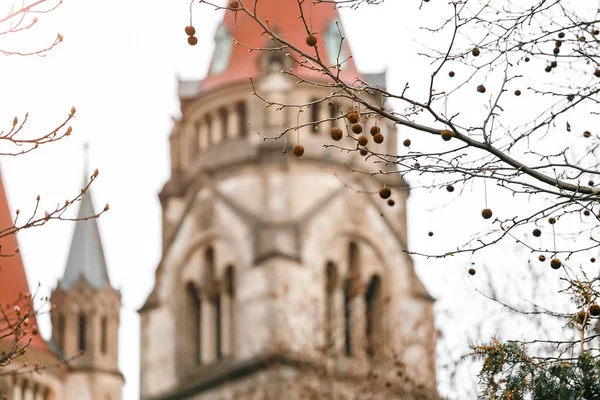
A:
(13, 281)
(283, 17)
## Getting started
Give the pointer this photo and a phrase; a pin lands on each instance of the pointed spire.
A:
(233, 63)
(86, 257)
(13, 280)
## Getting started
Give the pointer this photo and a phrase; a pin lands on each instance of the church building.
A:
(281, 277)
(80, 362)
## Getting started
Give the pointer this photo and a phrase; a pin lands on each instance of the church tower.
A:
(282, 277)
(85, 319)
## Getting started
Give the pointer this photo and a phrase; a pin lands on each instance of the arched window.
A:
(330, 284)
(194, 307)
(374, 317)
(82, 332)
(228, 310)
(60, 332)
(104, 335)
(350, 290)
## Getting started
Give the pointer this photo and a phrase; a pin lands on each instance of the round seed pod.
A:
(353, 116)
(537, 232)
(234, 4)
(447, 135)
(590, 183)
(472, 271)
(430, 234)
(378, 138)
(596, 32)
(592, 260)
(363, 152)
(406, 143)
(450, 188)
(586, 213)
(517, 92)
(486, 213)
(551, 220)
(561, 35)
(362, 140)
(580, 317)
(556, 50)
(190, 30)
(391, 202)
(558, 43)
(526, 59)
(311, 40)
(542, 258)
(374, 130)
(451, 74)
(337, 134)
(475, 51)
(548, 68)
(192, 40)
(357, 128)
(594, 310)
(481, 89)
(597, 73)
(555, 263)
(553, 64)
(298, 150)
(385, 192)
(587, 134)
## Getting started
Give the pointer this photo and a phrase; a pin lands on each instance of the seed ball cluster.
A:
(311, 40)
(517, 92)
(353, 116)
(337, 134)
(555, 263)
(357, 128)
(378, 138)
(362, 140)
(374, 130)
(385, 192)
(486, 213)
(537, 232)
(481, 89)
(447, 135)
(475, 51)
(191, 31)
(472, 271)
(298, 150)
(551, 220)
(406, 143)
(450, 188)
(542, 258)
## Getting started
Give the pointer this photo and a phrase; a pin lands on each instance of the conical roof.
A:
(86, 256)
(13, 281)
(234, 63)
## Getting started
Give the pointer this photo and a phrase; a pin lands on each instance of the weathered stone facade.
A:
(281, 277)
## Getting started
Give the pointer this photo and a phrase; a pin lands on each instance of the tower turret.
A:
(85, 319)
(276, 279)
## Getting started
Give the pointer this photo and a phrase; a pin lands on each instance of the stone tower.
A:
(85, 320)
(281, 277)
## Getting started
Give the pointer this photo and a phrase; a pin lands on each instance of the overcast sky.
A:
(118, 65)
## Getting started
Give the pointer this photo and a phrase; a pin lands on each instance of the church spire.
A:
(234, 63)
(86, 256)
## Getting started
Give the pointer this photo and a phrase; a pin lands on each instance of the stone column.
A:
(17, 390)
(208, 342)
(358, 325)
(337, 322)
(233, 122)
(183, 147)
(226, 328)
(203, 135)
(27, 391)
(216, 132)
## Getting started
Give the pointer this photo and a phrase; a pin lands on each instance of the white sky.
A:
(118, 65)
